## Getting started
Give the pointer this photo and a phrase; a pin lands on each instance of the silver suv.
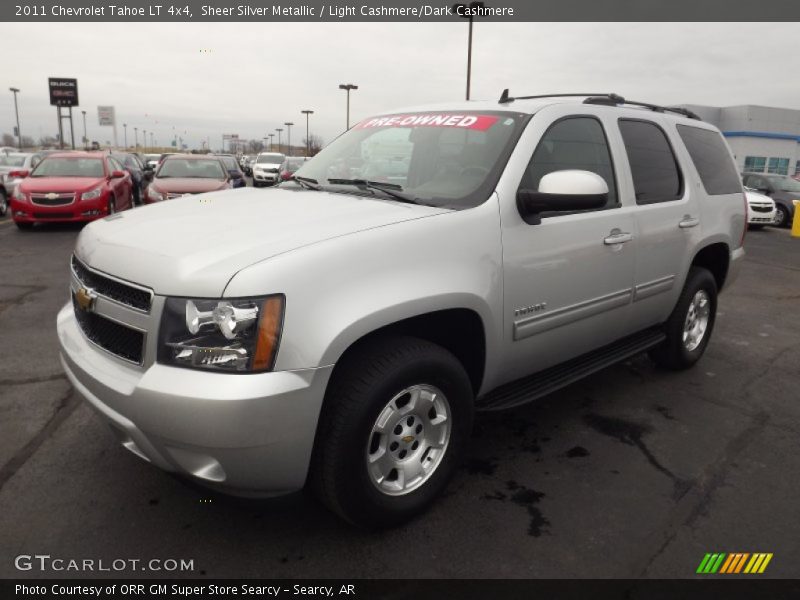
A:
(426, 265)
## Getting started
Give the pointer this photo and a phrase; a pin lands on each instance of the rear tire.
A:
(112, 206)
(691, 323)
(393, 429)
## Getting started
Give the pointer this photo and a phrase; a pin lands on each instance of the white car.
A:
(266, 168)
(760, 209)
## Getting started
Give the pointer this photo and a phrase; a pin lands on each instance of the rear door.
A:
(667, 216)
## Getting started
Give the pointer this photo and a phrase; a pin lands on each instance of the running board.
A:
(544, 382)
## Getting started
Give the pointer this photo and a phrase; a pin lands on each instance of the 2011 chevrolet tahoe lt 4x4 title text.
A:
(342, 329)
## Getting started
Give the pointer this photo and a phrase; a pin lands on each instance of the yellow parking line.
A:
(6, 221)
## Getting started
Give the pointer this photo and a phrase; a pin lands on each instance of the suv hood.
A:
(194, 245)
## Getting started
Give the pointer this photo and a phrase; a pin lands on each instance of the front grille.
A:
(111, 288)
(113, 337)
(761, 208)
(59, 200)
(53, 215)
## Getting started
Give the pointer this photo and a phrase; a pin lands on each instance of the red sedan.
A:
(71, 187)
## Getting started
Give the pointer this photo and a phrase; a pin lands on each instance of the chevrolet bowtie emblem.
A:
(85, 298)
(51, 196)
(407, 438)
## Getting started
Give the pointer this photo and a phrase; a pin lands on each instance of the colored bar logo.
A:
(734, 563)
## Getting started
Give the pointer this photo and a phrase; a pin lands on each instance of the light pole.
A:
(125, 129)
(288, 137)
(279, 138)
(85, 135)
(348, 87)
(271, 135)
(473, 7)
(308, 144)
(144, 140)
(135, 138)
(15, 91)
(152, 143)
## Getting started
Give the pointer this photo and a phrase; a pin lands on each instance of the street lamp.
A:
(308, 145)
(15, 91)
(144, 140)
(125, 129)
(288, 137)
(348, 87)
(473, 8)
(279, 138)
(271, 135)
(152, 143)
(85, 135)
(135, 138)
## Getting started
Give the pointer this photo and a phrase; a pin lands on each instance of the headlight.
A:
(92, 194)
(239, 335)
(154, 194)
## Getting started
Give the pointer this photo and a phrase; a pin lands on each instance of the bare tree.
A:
(314, 144)
(255, 146)
(9, 140)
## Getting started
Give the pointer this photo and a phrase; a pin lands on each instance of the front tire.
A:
(393, 429)
(3, 203)
(781, 216)
(690, 325)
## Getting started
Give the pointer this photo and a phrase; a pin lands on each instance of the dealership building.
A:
(763, 139)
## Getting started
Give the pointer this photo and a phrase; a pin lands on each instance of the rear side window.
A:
(711, 158)
(656, 177)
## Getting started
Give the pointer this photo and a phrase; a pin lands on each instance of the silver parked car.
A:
(13, 168)
(343, 329)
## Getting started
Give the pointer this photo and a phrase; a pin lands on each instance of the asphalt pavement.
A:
(633, 472)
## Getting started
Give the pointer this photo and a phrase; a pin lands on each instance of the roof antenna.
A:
(504, 97)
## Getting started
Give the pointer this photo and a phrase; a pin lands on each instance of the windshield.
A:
(12, 161)
(271, 159)
(786, 184)
(192, 168)
(69, 167)
(451, 159)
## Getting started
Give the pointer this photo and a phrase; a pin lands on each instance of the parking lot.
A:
(631, 472)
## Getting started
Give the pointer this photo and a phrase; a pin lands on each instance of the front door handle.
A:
(617, 237)
(688, 221)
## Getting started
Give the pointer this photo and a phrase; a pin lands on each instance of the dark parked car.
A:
(141, 174)
(290, 165)
(781, 188)
(234, 172)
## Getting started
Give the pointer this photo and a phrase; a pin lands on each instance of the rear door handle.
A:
(688, 222)
(617, 237)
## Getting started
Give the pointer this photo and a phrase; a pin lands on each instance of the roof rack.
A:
(606, 100)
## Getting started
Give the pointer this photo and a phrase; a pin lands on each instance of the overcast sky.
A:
(251, 78)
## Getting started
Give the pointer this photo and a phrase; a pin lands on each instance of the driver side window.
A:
(572, 143)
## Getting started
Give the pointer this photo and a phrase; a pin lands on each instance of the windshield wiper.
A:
(392, 189)
(308, 183)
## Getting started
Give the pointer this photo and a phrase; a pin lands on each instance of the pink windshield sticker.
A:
(477, 122)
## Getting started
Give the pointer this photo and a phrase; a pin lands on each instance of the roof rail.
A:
(610, 99)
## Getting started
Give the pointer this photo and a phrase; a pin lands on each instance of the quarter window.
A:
(656, 177)
(573, 143)
(712, 159)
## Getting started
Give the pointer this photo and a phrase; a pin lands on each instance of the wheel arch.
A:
(716, 258)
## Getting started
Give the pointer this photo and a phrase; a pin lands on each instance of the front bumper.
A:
(242, 434)
(77, 211)
(265, 177)
(760, 218)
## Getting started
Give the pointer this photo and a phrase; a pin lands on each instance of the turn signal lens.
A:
(269, 332)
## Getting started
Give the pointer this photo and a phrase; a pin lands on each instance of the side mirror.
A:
(117, 174)
(20, 174)
(566, 190)
(147, 167)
